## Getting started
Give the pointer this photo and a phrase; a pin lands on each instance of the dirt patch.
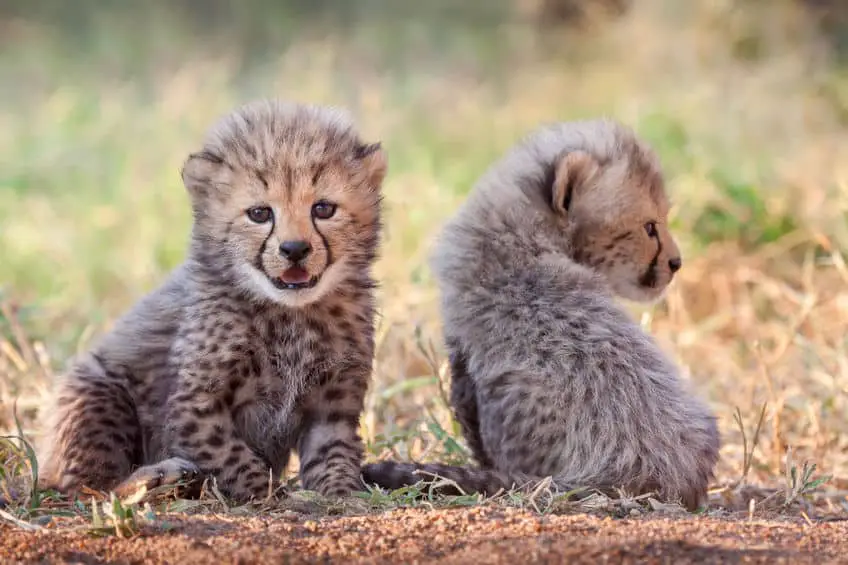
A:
(476, 535)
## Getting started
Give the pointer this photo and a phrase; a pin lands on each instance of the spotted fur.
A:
(227, 367)
(550, 376)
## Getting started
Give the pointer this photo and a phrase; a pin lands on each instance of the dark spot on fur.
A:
(110, 467)
(309, 466)
(188, 429)
(241, 469)
(325, 449)
(117, 438)
(103, 446)
(333, 394)
(344, 327)
(335, 417)
(181, 398)
(188, 444)
(255, 367)
(621, 237)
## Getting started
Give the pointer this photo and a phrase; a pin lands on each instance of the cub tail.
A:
(446, 479)
(453, 480)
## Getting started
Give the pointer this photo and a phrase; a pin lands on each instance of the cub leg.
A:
(329, 448)
(95, 438)
(201, 430)
(463, 399)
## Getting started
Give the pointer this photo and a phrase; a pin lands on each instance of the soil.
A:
(478, 535)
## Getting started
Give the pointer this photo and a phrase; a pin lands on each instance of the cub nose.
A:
(295, 251)
(675, 263)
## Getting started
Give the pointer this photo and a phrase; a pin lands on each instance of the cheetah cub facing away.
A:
(261, 341)
(550, 376)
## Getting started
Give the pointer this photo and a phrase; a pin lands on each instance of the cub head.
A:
(287, 198)
(614, 205)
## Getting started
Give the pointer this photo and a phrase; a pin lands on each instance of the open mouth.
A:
(294, 278)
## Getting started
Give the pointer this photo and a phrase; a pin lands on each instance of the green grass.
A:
(747, 109)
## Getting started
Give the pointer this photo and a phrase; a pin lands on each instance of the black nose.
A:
(675, 263)
(295, 251)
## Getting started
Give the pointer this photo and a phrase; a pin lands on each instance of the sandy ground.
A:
(476, 535)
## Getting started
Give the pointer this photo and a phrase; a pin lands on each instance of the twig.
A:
(18, 522)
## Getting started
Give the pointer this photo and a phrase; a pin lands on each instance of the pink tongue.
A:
(294, 275)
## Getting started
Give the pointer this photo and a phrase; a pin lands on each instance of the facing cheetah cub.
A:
(261, 341)
(550, 376)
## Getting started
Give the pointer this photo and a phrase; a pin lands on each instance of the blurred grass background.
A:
(746, 101)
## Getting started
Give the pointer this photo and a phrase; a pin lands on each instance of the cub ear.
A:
(571, 175)
(373, 159)
(198, 170)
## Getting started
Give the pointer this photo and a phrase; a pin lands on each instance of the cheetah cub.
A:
(261, 342)
(551, 378)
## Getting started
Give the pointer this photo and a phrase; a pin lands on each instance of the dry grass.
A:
(746, 109)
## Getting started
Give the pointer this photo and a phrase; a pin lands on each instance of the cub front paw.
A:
(182, 474)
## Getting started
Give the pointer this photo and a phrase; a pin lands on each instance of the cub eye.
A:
(323, 210)
(259, 214)
(651, 229)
